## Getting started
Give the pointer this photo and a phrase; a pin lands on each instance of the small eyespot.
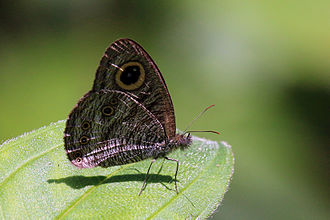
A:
(84, 140)
(85, 125)
(107, 110)
(77, 154)
(113, 101)
(130, 76)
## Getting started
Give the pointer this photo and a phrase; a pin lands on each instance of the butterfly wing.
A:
(110, 127)
(127, 67)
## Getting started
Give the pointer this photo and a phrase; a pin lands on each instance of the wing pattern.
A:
(126, 133)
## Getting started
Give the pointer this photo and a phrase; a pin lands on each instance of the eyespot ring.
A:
(85, 125)
(84, 139)
(130, 76)
(107, 110)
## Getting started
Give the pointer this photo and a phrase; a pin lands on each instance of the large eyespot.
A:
(85, 125)
(107, 110)
(130, 76)
(84, 139)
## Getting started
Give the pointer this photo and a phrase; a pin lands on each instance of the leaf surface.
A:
(37, 181)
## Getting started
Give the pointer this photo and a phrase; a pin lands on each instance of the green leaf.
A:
(38, 181)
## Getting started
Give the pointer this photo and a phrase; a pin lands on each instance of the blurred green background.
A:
(264, 64)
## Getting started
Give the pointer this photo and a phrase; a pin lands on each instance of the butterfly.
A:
(127, 116)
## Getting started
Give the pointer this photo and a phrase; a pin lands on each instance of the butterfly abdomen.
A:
(134, 153)
(130, 154)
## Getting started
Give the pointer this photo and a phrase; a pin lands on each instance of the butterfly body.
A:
(128, 115)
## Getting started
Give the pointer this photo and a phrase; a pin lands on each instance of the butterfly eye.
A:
(107, 110)
(84, 140)
(130, 76)
(85, 125)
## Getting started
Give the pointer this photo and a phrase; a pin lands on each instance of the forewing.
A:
(149, 89)
(108, 128)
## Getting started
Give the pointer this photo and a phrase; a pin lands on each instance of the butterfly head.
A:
(182, 140)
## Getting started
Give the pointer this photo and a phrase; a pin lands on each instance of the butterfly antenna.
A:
(198, 116)
(210, 131)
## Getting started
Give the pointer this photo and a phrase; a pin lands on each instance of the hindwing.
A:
(110, 127)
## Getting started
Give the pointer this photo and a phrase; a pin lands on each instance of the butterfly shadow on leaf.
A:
(79, 181)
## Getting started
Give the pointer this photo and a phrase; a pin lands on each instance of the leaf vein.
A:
(183, 189)
(27, 162)
(88, 192)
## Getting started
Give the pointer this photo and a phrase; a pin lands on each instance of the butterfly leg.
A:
(176, 172)
(147, 176)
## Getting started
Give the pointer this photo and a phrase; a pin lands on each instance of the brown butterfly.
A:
(128, 115)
